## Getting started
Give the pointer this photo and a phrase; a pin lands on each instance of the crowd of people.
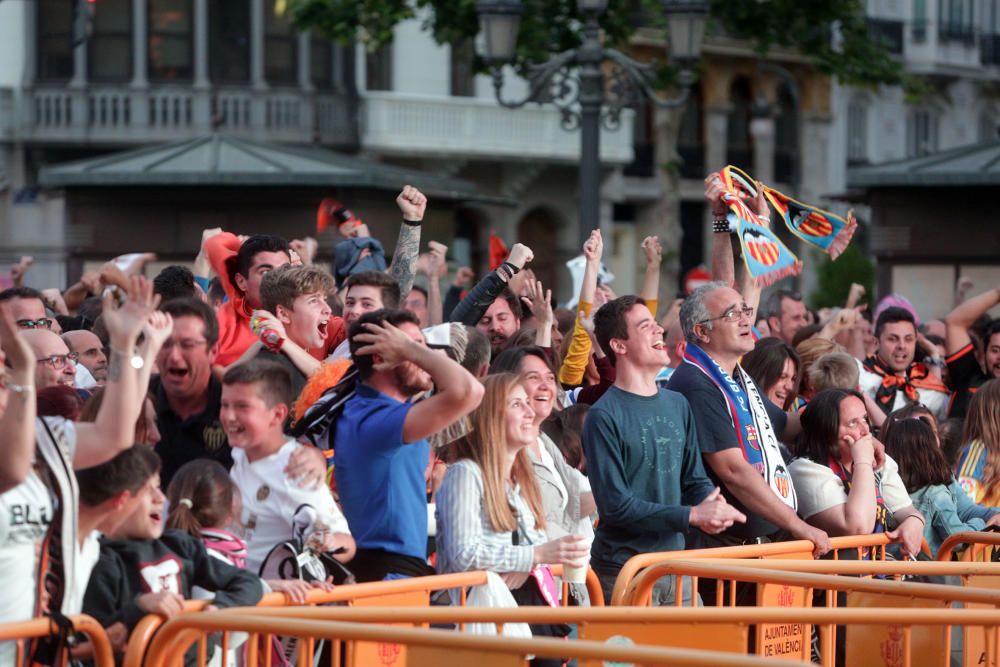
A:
(163, 439)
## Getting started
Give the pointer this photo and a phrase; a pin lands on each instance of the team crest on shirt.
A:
(163, 575)
(781, 481)
(213, 436)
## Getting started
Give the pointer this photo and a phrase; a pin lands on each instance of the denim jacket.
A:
(948, 509)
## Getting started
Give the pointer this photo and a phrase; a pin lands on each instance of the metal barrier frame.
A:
(180, 633)
(973, 539)
(42, 627)
(147, 627)
(907, 619)
(797, 549)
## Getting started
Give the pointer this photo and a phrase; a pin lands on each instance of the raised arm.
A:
(964, 315)
(17, 394)
(436, 268)
(114, 429)
(539, 301)
(412, 204)
(458, 391)
(475, 304)
(651, 280)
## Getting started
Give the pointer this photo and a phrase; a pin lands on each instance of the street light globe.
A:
(595, 6)
(499, 22)
(686, 25)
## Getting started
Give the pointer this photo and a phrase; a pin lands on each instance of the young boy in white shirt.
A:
(255, 404)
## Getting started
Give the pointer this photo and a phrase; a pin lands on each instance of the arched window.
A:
(54, 21)
(857, 131)
(691, 137)
(739, 146)
(280, 48)
(229, 41)
(171, 45)
(921, 132)
(109, 56)
(786, 137)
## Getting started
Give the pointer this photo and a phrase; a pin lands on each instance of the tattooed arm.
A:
(412, 203)
(114, 429)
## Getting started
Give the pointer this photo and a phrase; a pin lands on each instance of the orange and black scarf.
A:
(918, 376)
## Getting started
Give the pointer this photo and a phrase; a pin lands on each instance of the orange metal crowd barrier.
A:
(791, 583)
(413, 592)
(426, 648)
(980, 545)
(798, 549)
(103, 655)
(910, 642)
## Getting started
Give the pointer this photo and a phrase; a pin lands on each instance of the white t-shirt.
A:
(25, 514)
(275, 509)
(936, 401)
(818, 488)
(86, 558)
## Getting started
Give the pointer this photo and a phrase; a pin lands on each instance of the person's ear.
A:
(279, 413)
(283, 314)
(617, 345)
(120, 500)
(241, 282)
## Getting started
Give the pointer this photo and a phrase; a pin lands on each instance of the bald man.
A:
(91, 352)
(55, 365)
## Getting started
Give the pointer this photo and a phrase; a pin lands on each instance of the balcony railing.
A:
(957, 32)
(402, 124)
(123, 116)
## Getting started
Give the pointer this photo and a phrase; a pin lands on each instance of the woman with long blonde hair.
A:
(489, 509)
(979, 465)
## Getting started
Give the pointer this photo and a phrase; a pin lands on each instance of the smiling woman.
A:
(774, 366)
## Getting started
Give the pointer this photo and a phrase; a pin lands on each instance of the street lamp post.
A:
(575, 80)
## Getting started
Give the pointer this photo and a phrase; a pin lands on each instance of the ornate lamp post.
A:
(576, 83)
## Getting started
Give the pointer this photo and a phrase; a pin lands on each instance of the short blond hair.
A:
(281, 286)
(834, 370)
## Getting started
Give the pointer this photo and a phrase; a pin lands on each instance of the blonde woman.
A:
(489, 509)
(979, 465)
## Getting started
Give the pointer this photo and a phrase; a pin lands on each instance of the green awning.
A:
(974, 165)
(221, 160)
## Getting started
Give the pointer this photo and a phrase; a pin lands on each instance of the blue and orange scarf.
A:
(768, 259)
(753, 426)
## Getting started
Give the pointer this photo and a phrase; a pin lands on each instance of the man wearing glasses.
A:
(26, 308)
(56, 365)
(738, 427)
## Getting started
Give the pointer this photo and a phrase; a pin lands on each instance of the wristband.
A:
(914, 516)
(869, 463)
(514, 270)
(721, 226)
(412, 223)
(19, 388)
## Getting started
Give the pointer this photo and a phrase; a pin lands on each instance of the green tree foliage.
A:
(833, 34)
(834, 278)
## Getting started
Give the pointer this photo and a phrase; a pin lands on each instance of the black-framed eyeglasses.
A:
(58, 361)
(732, 315)
(40, 323)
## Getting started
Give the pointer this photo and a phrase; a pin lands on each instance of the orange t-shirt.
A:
(235, 335)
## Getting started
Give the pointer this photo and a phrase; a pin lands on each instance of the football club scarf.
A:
(57, 556)
(767, 259)
(881, 513)
(918, 376)
(749, 416)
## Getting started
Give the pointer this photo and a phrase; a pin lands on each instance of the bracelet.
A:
(720, 226)
(412, 223)
(20, 388)
(514, 270)
(914, 516)
(868, 463)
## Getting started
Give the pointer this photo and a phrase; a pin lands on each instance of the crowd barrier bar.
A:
(178, 634)
(797, 549)
(143, 633)
(716, 628)
(973, 539)
(42, 627)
